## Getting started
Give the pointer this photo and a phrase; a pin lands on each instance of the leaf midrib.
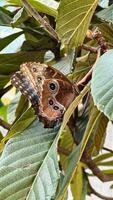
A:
(96, 1)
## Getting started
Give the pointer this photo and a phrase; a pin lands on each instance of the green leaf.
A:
(10, 63)
(93, 119)
(104, 3)
(46, 6)
(3, 112)
(1, 136)
(73, 20)
(107, 171)
(107, 31)
(5, 17)
(12, 107)
(102, 84)
(72, 107)
(65, 65)
(107, 163)
(29, 165)
(3, 80)
(5, 90)
(41, 43)
(71, 169)
(21, 124)
(111, 187)
(20, 17)
(8, 68)
(66, 142)
(84, 189)
(76, 155)
(100, 132)
(102, 157)
(77, 183)
(7, 40)
(106, 14)
(17, 106)
(81, 122)
(20, 57)
(23, 105)
(77, 152)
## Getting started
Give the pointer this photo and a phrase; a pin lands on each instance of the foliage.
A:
(75, 37)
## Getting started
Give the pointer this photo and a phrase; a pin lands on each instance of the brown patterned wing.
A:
(53, 90)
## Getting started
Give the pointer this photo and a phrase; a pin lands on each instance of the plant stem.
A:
(89, 48)
(4, 124)
(40, 19)
(94, 168)
(90, 163)
(63, 151)
(83, 82)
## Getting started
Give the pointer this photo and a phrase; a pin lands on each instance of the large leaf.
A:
(66, 142)
(10, 63)
(77, 183)
(107, 31)
(21, 124)
(12, 108)
(29, 165)
(3, 80)
(72, 107)
(104, 3)
(76, 156)
(100, 132)
(65, 65)
(73, 20)
(8, 68)
(5, 17)
(106, 14)
(46, 6)
(21, 57)
(7, 40)
(20, 17)
(3, 112)
(17, 107)
(102, 84)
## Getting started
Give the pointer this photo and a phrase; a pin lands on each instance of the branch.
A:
(63, 151)
(90, 163)
(40, 19)
(89, 48)
(97, 35)
(94, 168)
(83, 82)
(4, 124)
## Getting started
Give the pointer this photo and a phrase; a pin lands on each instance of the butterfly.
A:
(49, 91)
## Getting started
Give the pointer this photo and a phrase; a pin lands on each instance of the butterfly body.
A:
(49, 91)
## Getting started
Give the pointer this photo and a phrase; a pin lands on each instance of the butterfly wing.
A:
(53, 90)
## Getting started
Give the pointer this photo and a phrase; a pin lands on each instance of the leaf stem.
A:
(107, 149)
(90, 163)
(83, 82)
(89, 48)
(94, 168)
(40, 19)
